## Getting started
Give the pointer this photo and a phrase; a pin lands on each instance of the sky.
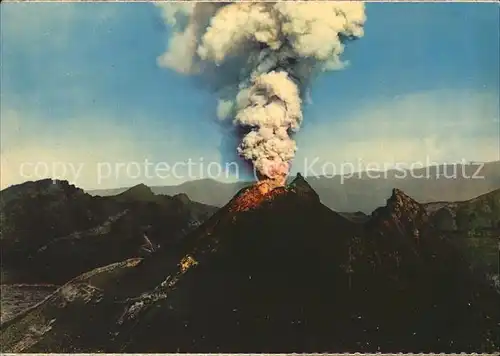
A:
(84, 99)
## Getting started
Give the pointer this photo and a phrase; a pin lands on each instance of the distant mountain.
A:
(52, 231)
(275, 270)
(217, 193)
(362, 192)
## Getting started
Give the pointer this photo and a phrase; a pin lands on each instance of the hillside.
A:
(53, 231)
(277, 271)
(474, 227)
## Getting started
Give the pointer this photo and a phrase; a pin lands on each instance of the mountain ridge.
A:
(47, 224)
(359, 193)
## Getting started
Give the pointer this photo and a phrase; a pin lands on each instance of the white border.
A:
(251, 354)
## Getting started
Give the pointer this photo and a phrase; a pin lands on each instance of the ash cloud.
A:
(260, 57)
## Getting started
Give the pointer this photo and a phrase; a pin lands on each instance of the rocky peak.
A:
(400, 202)
(300, 186)
(182, 197)
(139, 192)
(45, 187)
(402, 213)
(299, 179)
(141, 187)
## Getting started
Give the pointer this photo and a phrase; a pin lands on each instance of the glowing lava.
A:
(256, 194)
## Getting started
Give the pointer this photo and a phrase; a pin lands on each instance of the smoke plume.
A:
(277, 49)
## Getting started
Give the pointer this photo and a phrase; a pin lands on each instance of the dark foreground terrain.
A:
(17, 298)
(281, 272)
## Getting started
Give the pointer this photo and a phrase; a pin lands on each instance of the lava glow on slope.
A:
(256, 194)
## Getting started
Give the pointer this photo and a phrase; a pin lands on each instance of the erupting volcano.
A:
(278, 48)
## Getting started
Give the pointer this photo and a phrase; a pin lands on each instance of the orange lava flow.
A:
(257, 194)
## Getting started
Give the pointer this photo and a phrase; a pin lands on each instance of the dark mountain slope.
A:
(52, 232)
(277, 271)
(33, 213)
(481, 213)
(474, 227)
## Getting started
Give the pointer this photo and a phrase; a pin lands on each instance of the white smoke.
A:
(281, 45)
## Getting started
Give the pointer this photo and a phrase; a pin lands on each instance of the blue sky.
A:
(80, 85)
